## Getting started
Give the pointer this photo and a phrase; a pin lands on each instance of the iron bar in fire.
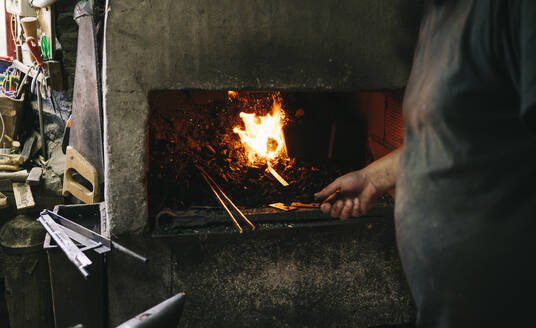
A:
(277, 176)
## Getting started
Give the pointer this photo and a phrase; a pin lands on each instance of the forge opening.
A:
(250, 144)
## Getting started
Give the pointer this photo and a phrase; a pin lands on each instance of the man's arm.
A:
(353, 194)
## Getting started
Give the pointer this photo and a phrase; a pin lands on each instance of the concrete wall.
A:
(339, 276)
(253, 44)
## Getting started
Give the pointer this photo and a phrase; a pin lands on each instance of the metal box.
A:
(11, 111)
(77, 300)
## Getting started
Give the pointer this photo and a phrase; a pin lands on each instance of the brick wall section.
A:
(394, 124)
(383, 111)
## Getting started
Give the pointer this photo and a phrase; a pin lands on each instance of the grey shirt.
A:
(466, 191)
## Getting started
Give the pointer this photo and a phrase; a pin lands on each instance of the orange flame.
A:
(263, 136)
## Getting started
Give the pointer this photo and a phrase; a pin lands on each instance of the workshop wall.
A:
(299, 278)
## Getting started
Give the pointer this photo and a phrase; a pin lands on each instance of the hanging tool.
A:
(36, 87)
(41, 124)
(86, 134)
(32, 44)
(66, 134)
(45, 47)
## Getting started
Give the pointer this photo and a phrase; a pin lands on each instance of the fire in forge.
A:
(239, 154)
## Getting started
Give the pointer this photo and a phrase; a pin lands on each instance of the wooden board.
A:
(28, 145)
(12, 168)
(19, 176)
(23, 195)
(11, 159)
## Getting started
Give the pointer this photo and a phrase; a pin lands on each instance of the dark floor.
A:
(4, 320)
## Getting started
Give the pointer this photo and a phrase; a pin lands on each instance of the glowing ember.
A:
(232, 94)
(263, 136)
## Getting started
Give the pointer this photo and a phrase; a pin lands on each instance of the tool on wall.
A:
(66, 133)
(66, 232)
(36, 17)
(32, 30)
(86, 122)
(31, 42)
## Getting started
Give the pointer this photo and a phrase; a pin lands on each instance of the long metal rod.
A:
(228, 199)
(41, 125)
(127, 251)
(223, 204)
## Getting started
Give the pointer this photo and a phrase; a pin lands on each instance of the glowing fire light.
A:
(263, 136)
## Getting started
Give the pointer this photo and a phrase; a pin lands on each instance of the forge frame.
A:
(326, 135)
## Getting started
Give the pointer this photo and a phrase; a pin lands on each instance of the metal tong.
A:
(218, 193)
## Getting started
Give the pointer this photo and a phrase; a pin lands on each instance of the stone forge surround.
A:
(235, 44)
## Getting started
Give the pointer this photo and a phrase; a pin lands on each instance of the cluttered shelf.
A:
(27, 154)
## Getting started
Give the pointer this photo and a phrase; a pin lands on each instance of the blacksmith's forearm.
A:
(383, 172)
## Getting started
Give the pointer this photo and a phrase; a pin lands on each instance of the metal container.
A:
(24, 263)
(11, 110)
(77, 300)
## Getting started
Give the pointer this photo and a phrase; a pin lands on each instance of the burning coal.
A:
(191, 129)
(263, 136)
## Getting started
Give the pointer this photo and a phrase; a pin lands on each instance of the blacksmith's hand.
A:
(352, 194)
